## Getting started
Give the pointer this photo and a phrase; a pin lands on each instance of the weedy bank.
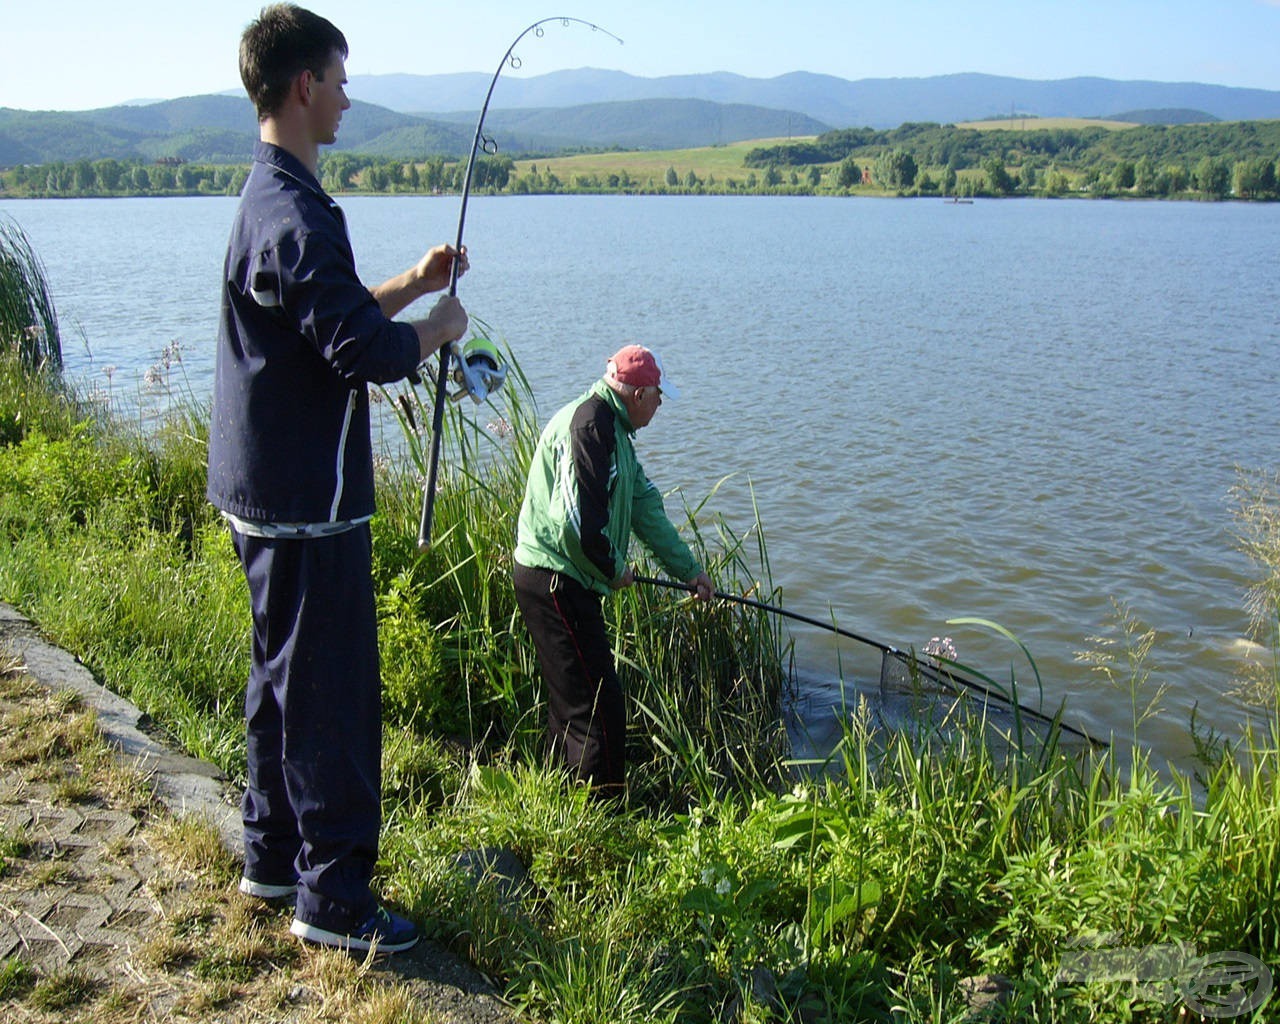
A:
(920, 873)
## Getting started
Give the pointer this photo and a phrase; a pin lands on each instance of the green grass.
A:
(720, 162)
(733, 887)
(722, 170)
(729, 161)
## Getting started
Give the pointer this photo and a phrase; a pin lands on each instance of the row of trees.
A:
(343, 172)
(1240, 159)
(340, 172)
(347, 172)
(897, 170)
(1209, 177)
(937, 145)
(110, 177)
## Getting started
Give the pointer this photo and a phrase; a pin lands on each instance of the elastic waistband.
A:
(536, 577)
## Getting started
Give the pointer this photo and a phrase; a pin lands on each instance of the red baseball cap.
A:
(641, 368)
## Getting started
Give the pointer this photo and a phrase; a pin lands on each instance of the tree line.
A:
(1240, 160)
(340, 172)
(111, 177)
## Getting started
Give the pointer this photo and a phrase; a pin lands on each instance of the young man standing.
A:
(291, 468)
(586, 494)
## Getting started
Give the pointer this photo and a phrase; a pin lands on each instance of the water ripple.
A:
(1013, 410)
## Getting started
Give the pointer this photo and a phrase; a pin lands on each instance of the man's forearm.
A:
(446, 322)
(431, 337)
(434, 272)
(399, 292)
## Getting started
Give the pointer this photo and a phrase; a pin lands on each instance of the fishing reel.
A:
(478, 369)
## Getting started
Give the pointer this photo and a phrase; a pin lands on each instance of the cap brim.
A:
(664, 382)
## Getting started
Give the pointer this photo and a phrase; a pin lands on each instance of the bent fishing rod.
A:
(449, 351)
(885, 650)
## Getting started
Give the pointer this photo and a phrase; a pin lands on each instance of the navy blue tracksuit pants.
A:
(313, 717)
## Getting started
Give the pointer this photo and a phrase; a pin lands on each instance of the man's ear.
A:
(302, 86)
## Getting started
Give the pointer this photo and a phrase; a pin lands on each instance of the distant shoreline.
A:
(1220, 161)
(669, 194)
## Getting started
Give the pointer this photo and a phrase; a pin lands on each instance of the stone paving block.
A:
(116, 883)
(15, 818)
(9, 940)
(102, 826)
(57, 824)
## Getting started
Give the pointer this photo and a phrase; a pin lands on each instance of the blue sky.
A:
(81, 54)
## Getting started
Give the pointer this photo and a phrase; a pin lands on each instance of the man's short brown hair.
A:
(283, 42)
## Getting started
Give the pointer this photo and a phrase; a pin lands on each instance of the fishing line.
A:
(945, 675)
(450, 351)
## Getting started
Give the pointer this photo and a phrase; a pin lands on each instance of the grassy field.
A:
(723, 168)
(722, 162)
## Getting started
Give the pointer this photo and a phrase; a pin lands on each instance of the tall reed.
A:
(1256, 499)
(28, 319)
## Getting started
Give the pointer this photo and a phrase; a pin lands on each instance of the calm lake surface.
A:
(1019, 410)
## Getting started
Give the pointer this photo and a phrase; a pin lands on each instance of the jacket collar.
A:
(282, 160)
(602, 390)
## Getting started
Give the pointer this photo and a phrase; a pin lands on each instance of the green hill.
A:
(205, 129)
(222, 129)
(410, 142)
(642, 124)
(229, 113)
(40, 137)
(1016, 143)
(1176, 116)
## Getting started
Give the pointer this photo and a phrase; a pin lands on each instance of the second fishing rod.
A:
(947, 675)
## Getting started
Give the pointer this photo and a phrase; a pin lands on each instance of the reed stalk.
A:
(28, 319)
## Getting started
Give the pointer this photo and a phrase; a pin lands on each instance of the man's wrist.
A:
(431, 339)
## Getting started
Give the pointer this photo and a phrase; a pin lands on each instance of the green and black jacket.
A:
(587, 493)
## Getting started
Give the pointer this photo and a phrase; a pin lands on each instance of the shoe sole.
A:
(349, 943)
(267, 891)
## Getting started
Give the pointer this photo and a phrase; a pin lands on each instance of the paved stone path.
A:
(92, 906)
(92, 901)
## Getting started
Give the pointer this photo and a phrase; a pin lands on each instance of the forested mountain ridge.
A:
(413, 116)
(222, 129)
(839, 102)
(204, 129)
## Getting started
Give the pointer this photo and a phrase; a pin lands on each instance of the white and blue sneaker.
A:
(268, 890)
(384, 932)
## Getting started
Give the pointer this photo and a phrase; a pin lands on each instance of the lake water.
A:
(1019, 410)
